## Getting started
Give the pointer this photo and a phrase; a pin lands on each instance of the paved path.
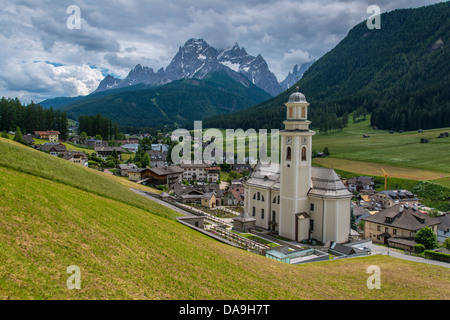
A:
(393, 253)
(164, 203)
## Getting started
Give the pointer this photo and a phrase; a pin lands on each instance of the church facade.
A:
(292, 198)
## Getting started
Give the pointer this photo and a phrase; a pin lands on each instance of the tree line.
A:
(99, 125)
(31, 117)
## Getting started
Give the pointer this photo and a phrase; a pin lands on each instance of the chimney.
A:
(400, 209)
(406, 205)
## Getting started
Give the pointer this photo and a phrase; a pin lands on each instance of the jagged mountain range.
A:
(197, 58)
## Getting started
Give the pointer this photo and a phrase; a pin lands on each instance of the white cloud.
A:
(42, 79)
(116, 35)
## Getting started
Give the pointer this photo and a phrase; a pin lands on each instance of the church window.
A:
(303, 154)
(290, 112)
(303, 112)
(262, 198)
(259, 196)
(274, 200)
(278, 199)
(254, 196)
(288, 153)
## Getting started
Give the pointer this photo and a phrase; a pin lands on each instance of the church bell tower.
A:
(295, 166)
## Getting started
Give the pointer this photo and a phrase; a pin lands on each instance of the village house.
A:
(95, 143)
(241, 168)
(200, 172)
(360, 183)
(397, 226)
(234, 195)
(138, 174)
(196, 193)
(53, 148)
(123, 168)
(28, 139)
(132, 147)
(77, 157)
(168, 175)
(52, 136)
(443, 228)
(209, 200)
(158, 158)
(387, 198)
(105, 152)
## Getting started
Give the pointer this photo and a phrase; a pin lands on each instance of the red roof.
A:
(42, 133)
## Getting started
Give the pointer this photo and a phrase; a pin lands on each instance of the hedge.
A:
(434, 255)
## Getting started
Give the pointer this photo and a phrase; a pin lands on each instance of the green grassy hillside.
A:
(55, 214)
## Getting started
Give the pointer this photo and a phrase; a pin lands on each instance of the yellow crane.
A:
(385, 178)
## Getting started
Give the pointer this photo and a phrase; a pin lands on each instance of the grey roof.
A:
(108, 149)
(401, 195)
(404, 241)
(266, 176)
(297, 97)
(208, 195)
(244, 217)
(70, 154)
(181, 190)
(137, 170)
(127, 166)
(445, 222)
(327, 184)
(401, 217)
(49, 146)
(163, 171)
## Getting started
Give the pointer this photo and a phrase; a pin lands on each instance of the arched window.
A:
(290, 112)
(304, 154)
(259, 196)
(303, 112)
(254, 196)
(262, 198)
(274, 200)
(278, 201)
(288, 153)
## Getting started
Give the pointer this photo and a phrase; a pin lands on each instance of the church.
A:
(292, 198)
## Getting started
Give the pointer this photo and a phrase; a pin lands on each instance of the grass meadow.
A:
(55, 214)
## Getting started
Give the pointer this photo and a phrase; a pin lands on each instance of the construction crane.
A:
(385, 178)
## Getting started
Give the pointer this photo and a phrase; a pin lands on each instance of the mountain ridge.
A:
(196, 58)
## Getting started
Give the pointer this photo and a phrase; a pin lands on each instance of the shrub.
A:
(447, 243)
(419, 248)
(427, 237)
(434, 255)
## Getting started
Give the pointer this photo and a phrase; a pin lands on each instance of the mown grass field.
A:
(395, 151)
(54, 216)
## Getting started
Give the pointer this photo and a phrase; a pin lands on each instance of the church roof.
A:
(244, 217)
(297, 97)
(324, 181)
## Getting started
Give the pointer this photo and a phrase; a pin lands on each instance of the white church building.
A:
(292, 198)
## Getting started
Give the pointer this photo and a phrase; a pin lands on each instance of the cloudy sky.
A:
(41, 57)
